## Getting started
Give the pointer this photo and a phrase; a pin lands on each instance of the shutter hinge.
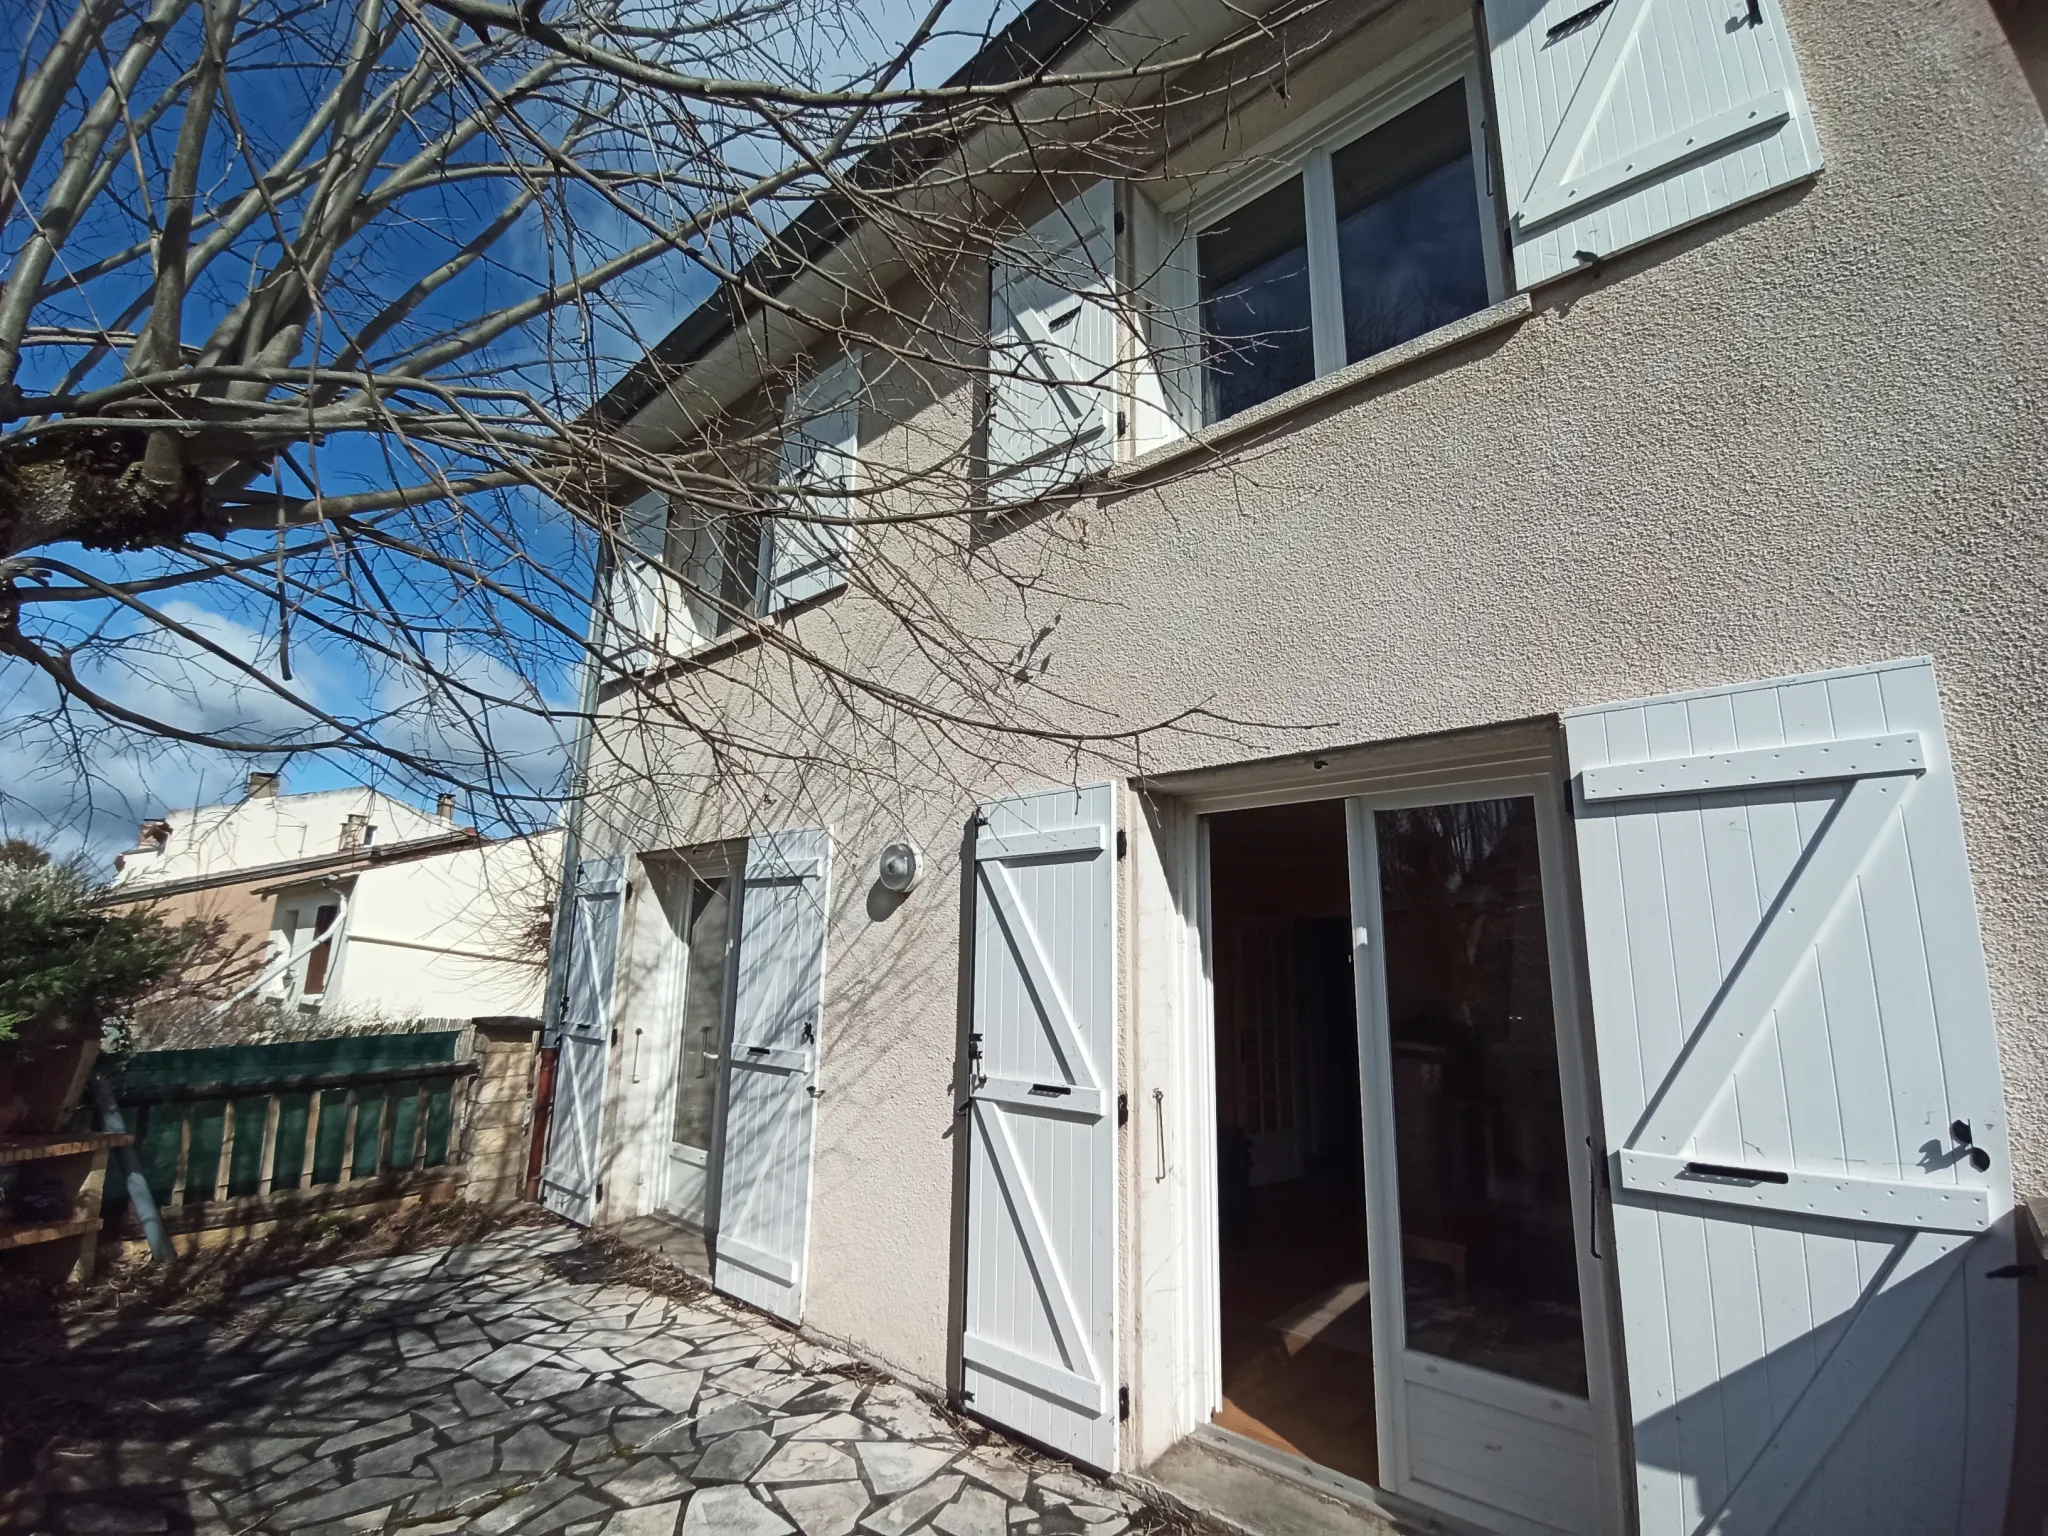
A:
(615, 1037)
(1119, 221)
(598, 1198)
(1123, 1405)
(1571, 796)
(1119, 423)
(1123, 842)
(1123, 1109)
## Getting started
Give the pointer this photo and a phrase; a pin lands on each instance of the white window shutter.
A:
(771, 1084)
(1805, 1120)
(820, 452)
(570, 1171)
(636, 591)
(1052, 396)
(1166, 389)
(1621, 120)
(1038, 1340)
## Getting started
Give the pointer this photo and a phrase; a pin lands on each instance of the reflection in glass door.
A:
(706, 920)
(1480, 1340)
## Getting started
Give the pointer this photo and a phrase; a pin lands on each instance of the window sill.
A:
(1509, 312)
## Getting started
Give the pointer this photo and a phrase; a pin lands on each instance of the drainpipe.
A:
(160, 1248)
(290, 958)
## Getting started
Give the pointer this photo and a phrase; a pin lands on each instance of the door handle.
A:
(1159, 1119)
(1052, 1090)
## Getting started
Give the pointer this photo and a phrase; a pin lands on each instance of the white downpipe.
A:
(285, 962)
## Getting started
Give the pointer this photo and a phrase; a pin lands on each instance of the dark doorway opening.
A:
(1296, 1305)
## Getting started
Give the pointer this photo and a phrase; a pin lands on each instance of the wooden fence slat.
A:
(266, 1159)
(184, 1156)
(348, 1143)
(387, 1132)
(422, 1102)
(312, 1139)
(225, 1172)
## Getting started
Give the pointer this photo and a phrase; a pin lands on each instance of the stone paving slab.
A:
(504, 1386)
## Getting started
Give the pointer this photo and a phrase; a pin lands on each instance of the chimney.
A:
(444, 808)
(352, 831)
(154, 834)
(262, 784)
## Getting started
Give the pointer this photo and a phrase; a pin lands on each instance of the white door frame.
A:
(1174, 1015)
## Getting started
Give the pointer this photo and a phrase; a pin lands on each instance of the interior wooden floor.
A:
(1297, 1330)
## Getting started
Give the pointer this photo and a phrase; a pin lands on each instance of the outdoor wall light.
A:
(899, 867)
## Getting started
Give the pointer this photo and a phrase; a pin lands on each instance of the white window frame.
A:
(1304, 149)
(682, 639)
(831, 379)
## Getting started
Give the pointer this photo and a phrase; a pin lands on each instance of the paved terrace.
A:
(504, 1386)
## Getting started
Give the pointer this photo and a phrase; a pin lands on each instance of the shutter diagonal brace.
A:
(1060, 1310)
(1863, 1353)
(1736, 1018)
(1051, 1001)
(1561, 186)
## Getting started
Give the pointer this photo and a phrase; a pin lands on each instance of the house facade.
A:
(1557, 1040)
(350, 908)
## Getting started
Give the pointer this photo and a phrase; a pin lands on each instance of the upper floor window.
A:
(685, 572)
(1374, 241)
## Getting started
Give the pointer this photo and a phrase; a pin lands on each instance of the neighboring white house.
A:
(366, 910)
(1596, 1080)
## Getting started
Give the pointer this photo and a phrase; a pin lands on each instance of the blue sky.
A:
(79, 787)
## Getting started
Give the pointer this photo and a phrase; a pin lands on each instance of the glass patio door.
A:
(1475, 1151)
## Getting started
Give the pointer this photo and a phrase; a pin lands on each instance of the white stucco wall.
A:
(1809, 434)
(448, 936)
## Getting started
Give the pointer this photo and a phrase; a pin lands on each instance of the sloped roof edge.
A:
(1035, 41)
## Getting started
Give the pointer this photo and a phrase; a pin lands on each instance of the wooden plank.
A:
(1028, 1218)
(1070, 1387)
(313, 1101)
(224, 1172)
(1039, 845)
(266, 1159)
(25, 1234)
(387, 1131)
(347, 1172)
(417, 1159)
(1888, 1317)
(178, 1180)
(32, 1149)
(1885, 1202)
(1760, 978)
(1049, 997)
(1038, 1097)
(1813, 762)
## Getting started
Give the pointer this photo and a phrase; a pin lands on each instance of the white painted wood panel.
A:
(1052, 384)
(1038, 1346)
(569, 1172)
(762, 1243)
(820, 466)
(1790, 1009)
(1621, 120)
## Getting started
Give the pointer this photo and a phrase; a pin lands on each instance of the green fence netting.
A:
(156, 1126)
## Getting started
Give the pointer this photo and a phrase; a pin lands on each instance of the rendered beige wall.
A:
(1809, 434)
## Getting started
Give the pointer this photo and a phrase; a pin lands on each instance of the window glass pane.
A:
(703, 1011)
(1488, 1256)
(1255, 305)
(1409, 247)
